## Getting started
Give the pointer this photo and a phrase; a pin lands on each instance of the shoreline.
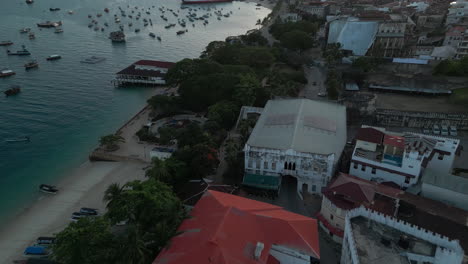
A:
(81, 186)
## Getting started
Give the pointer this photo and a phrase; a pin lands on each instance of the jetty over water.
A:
(144, 72)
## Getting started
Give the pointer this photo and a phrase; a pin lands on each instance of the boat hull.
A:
(205, 2)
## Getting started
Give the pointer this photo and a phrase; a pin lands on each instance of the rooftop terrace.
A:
(378, 243)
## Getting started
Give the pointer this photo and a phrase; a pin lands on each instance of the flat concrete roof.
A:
(302, 125)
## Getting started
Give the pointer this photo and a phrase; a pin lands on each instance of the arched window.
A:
(285, 165)
(289, 166)
(294, 166)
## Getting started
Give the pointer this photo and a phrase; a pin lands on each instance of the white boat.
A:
(48, 188)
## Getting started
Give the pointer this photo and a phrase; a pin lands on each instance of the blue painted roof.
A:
(356, 36)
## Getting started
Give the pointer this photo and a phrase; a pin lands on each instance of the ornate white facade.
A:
(295, 137)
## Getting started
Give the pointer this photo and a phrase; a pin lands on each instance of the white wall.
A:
(315, 170)
(447, 196)
(380, 175)
(366, 145)
(448, 251)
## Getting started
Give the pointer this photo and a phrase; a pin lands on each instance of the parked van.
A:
(453, 130)
(436, 130)
(444, 131)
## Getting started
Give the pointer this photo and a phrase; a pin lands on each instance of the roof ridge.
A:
(296, 124)
(300, 235)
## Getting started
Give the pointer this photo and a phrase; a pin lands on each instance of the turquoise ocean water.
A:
(65, 106)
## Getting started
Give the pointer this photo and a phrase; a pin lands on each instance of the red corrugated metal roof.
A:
(225, 228)
(395, 141)
(370, 135)
(162, 64)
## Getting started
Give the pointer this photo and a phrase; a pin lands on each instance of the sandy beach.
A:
(51, 213)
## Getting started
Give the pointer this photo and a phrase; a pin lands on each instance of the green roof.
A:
(262, 181)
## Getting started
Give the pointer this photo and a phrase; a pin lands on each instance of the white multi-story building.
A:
(295, 137)
(384, 156)
(462, 50)
(371, 237)
(457, 12)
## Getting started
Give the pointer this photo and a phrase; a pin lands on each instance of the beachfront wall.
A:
(447, 251)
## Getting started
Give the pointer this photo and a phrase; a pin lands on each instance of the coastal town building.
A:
(290, 17)
(225, 228)
(454, 36)
(354, 35)
(384, 156)
(301, 138)
(457, 12)
(319, 9)
(390, 40)
(347, 192)
(144, 72)
(371, 237)
(445, 187)
(462, 50)
(443, 53)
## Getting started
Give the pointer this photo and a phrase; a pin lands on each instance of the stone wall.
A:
(394, 118)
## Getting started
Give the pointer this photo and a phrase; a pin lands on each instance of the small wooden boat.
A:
(25, 30)
(45, 188)
(29, 2)
(151, 34)
(6, 73)
(53, 9)
(6, 43)
(21, 139)
(22, 52)
(31, 35)
(106, 10)
(54, 57)
(49, 24)
(31, 65)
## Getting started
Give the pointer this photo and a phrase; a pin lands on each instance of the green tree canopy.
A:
(87, 241)
(296, 40)
(224, 113)
(165, 104)
(170, 171)
(333, 53)
(110, 142)
(246, 90)
(202, 91)
(452, 67)
(278, 29)
(188, 68)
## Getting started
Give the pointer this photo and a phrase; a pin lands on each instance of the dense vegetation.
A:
(295, 36)
(453, 67)
(151, 212)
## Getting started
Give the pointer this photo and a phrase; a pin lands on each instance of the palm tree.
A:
(159, 171)
(110, 142)
(133, 249)
(113, 192)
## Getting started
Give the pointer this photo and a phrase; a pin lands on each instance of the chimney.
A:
(258, 250)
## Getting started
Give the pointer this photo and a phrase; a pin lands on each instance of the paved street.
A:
(315, 83)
